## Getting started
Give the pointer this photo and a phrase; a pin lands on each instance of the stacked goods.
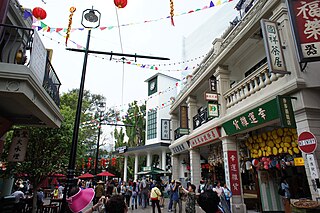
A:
(276, 142)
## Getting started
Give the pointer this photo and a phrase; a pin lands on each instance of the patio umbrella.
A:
(54, 181)
(44, 183)
(59, 175)
(86, 175)
(108, 174)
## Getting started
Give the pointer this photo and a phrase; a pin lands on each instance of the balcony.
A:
(30, 85)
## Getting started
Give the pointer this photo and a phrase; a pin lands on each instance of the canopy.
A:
(86, 175)
(108, 174)
(153, 171)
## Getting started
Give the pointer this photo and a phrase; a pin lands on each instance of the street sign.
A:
(307, 142)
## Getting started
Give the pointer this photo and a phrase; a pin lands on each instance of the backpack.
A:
(281, 191)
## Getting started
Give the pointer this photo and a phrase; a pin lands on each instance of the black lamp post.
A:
(90, 19)
(101, 108)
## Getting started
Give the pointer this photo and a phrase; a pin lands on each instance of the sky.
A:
(154, 38)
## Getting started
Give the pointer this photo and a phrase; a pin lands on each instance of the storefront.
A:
(266, 137)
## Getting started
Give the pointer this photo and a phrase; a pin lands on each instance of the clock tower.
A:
(161, 89)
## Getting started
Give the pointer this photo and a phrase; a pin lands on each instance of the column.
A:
(125, 169)
(307, 116)
(232, 173)
(192, 110)
(160, 160)
(163, 158)
(195, 167)
(149, 159)
(174, 125)
(136, 163)
(175, 167)
(223, 84)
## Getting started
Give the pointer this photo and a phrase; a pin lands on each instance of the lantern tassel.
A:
(172, 12)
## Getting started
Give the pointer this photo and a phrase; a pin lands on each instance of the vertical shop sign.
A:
(234, 176)
(273, 46)
(305, 22)
(286, 112)
(213, 110)
(165, 129)
(312, 166)
(184, 117)
(18, 147)
(213, 84)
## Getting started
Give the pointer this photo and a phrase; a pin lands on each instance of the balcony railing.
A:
(254, 82)
(15, 48)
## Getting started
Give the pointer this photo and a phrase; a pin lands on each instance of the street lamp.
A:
(101, 108)
(90, 20)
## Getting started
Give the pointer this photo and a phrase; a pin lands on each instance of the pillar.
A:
(223, 84)
(195, 167)
(125, 169)
(149, 159)
(136, 163)
(160, 160)
(163, 159)
(175, 167)
(232, 173)
(192, 110)
(307, 116)
(175, 125)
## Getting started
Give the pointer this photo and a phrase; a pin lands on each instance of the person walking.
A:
(134, 198)
(227, 195)
(144, 192)
(99, 191)
(155, 197)
(170, 192)
(128, 193)
(286, 198)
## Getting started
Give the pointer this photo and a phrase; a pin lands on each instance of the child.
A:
(191, 198)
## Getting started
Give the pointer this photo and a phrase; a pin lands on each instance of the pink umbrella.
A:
(86, 175)
(106, 174)
(54, 181)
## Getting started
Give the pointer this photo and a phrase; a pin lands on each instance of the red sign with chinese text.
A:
(234, 172)
(305, 20)
(206, 137)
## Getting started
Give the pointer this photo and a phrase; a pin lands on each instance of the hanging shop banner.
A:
(121, 149)
(210, 96)
(232, 168)
(278, 108)
(213, 84)
(180, 148)
(312, 166)
(205, 137)
(304, 18)
(213, 110)
(273, 46)
(18, 147)
(184, 117)
(165, 129)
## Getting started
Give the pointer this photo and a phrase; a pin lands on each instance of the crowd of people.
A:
(144, 192)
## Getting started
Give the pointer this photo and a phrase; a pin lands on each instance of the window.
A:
(152, 124)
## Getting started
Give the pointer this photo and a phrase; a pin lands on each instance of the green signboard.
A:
(278, 108)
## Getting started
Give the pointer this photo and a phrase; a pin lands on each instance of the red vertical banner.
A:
(234, 175)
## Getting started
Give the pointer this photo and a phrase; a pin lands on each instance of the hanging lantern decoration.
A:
(39, 13)
(113, 162)
(120, 3)
(72, 10)
(171, 12)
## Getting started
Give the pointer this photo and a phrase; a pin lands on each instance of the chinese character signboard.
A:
(184, 117)
(233, 171)
(305, 22)
(273, 46)
(206, 137)
(180, 148)
(213, 84)
(165, 129)
(18, 147)
(312, 166)
(270, 111)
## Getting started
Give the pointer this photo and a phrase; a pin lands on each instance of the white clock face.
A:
(152, 85)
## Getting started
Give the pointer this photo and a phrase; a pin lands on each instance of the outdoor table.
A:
(58, 201)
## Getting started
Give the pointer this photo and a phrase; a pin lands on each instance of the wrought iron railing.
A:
(16, 47)
(15, 43)
(51, 83)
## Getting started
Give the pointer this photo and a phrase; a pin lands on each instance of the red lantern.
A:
(120, 3)
(39, 13)
(113, 162)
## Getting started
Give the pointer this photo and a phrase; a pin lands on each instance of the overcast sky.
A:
(156, 38)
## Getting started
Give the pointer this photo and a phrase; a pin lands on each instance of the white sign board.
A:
(312, 166)
(18, 147)
(211, 96)
(38, 58)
